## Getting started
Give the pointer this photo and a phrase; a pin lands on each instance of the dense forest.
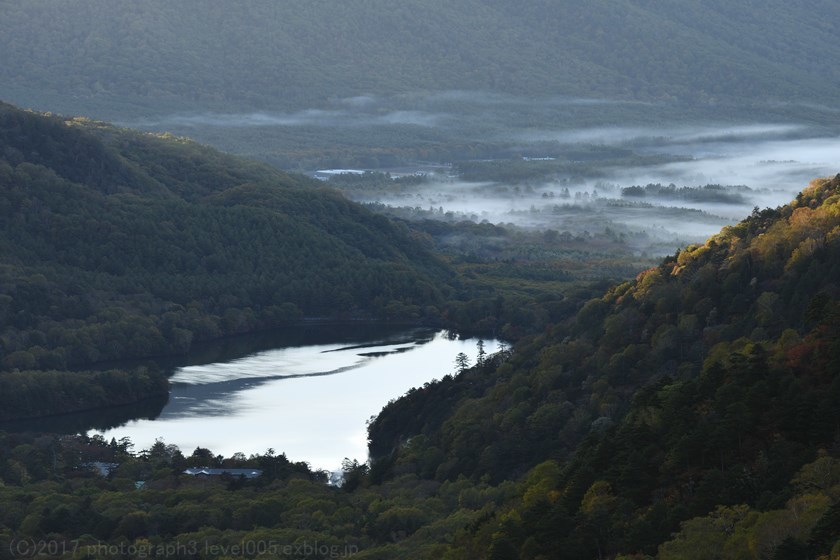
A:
(678, 408)
(117, 244)
(689, 413)
(302, 53)
(699, 399)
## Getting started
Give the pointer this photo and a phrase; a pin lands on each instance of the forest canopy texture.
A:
(300, 53)
(688, 414)
(685, 412)
(115, 244)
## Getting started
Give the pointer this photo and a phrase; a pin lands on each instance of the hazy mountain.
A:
(73, 54)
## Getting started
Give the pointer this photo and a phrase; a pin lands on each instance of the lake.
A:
(308, 395)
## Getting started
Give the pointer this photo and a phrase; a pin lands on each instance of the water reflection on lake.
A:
(310, 401)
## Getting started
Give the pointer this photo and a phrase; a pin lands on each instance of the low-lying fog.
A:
(590, 152)
(309, 117)
(728, 172)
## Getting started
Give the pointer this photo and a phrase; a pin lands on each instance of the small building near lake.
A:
(207, 471)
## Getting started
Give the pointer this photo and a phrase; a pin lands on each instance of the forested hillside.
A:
(698, 390)
(115, 244)
(689, 414)
(300, 53)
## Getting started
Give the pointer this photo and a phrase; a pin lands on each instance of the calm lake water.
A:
(308, 397)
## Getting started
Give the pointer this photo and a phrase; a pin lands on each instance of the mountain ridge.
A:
(117, 244)
(707, 382)
(304, 54)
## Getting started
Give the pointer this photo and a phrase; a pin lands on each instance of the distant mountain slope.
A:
(116, 244)
(707, 382)
(302, 53)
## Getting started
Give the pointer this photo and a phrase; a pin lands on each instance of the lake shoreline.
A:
(175, 358)
(301, 323)
(311, 400)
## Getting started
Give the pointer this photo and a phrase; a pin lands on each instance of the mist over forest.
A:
(551, 163)
(218, 214)
(624, 95)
